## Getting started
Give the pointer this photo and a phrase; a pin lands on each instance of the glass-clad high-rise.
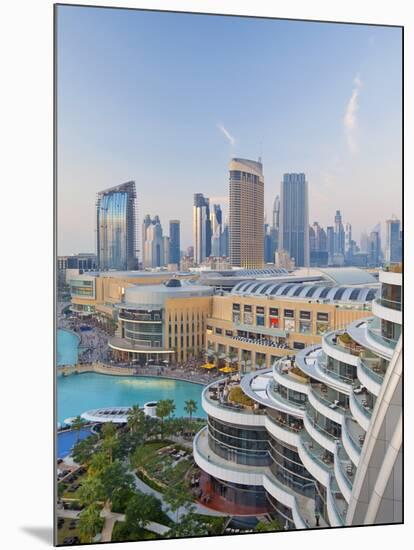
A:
(294, 218)
(115, 227)
(174, 242)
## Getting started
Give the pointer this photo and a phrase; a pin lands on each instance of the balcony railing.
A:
(316, 452)
(274, 390)
(390, 304)
(329, 434)
(376, 334)
(363, 404)
(222, 402)
(328, 398)
(373, 369)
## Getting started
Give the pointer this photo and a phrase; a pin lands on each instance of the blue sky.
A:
(167, 99)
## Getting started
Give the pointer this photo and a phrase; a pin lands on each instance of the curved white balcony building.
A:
(318, 436)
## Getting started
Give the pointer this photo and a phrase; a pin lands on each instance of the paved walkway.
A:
(110, 519)
(182, 511)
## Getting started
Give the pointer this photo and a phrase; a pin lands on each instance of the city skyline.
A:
(180, 140)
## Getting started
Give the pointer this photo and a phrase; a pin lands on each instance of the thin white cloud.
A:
(226, 133)
(350, 117)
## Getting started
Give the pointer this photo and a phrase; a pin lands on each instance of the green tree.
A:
(138, 458)
(98, 464)
(268, 526)
(140, 510)
(177, 496)
(109, 434)
(189, 526)
(114, 479)
(90, 523)
(165, 408)
(84, 449)
(190, 407)
(90, 491)
(136, 419)
(77, 425)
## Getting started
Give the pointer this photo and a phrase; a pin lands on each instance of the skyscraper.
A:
(246, 199)
(294, 218)
(330, 242)
(153, 242)
(318, 246)
(276, 212)
(216, 222)
(374, 248)
(393, 241)
(116, 227)
(348, 238)
(201, 228)
(339, 234)
(174, 242)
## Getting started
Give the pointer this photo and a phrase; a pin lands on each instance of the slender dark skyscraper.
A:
(201, 228)
(116, 227)
(246, 190)
(339, 234)
(174, 242)
(294, 218)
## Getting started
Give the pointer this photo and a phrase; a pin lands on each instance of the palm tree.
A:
(165, 407)
(90, 523)
(190, 408)
(135, 418)
(110, 439)
(77, 425)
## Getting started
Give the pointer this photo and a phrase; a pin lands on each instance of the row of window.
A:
(274, 312)
(288, 325)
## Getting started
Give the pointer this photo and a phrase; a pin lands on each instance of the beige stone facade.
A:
(246, 329)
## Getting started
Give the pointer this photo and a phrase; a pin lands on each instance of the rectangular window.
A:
(236, 307)
(289, 313)
(229, 333)
(260, 310)
(236, 317)
(274, 322)
(289, 325)
(321, 328)
(219, 330)
(298, 345)
(247, 308)
(305, 327)
(274, 311)
(248, 318)
(322, 316)
(260, 320)
(305, 315)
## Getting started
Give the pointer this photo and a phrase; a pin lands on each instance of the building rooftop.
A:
(342, 275)
(311, 291)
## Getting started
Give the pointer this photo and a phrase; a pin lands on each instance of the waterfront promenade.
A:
(196, 375)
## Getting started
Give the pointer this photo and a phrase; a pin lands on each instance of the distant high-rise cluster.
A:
(246, 200)
(243, 238)
(116, 227)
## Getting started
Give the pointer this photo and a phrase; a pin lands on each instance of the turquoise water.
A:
(67, 347)
(79, 393)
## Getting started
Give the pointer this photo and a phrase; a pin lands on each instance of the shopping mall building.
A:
(314, 441)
